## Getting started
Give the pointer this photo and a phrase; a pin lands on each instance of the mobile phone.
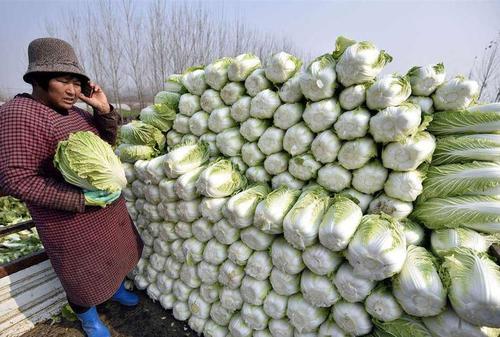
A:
(87, 90)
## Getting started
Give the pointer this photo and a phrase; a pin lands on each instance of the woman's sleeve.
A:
(107, 125)
(22, 142)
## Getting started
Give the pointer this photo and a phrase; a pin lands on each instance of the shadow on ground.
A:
(148, 319)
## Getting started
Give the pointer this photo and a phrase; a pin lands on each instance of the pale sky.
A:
(413, 32)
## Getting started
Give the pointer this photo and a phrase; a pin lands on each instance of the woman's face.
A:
(63, 91)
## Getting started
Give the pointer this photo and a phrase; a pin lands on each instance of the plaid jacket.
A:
(91, 248)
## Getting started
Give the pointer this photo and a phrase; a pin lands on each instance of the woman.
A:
(91, 248)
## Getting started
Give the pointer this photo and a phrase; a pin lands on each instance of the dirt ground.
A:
(148, 319)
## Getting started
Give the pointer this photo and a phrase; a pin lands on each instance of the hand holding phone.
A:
(87, 89)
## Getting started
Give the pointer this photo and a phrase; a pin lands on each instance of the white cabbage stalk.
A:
(352, 318)
(378, 248)
(211, 100)
(284, 284)
(287, 115)
(211, 208)
(448, 324)
(301, 224)
(240, 110)
(297, 139)
(321, 115)
(181, 290)
(185, 185)
(330, 329)
(189, 104)
(456, 94)
(417, 287)
(382, 305)
(212, 329)
(188, 210)
(271, 141)
(257, 174)
(232, 92)
(238, 327)
(352, 288)
(281, 67)
(198, 123)
(303, 167)
(183, 230)
(210, 139)
(414, 233)
(239, 164)
(325, 147)
(409, 153)
(257, 82)
(242, 66)
(220, 315)
(154, 169)
(254, 291)
(290, 91)
(152, 194)
(147, 237)
(220, 179)
(140, 282)
(253, 128)
(425, 79)
(286, 258)
(198, 306)
(220, 120)
(189, 138)
(240, 208)
(197, 324)
(425, 103)
(251, 154)
(177, 251)
(406, 186)
(239, 253)
(395, 123)
(154, 228)
(303, 316)
(231, 299)
(151, 213)
(215, 252)
(358, 62)
(275, 305)
(254, 316)
(280, 328)
(264, 104)
(459, 149)
(230, 275)
(185, 157)
(157, 262)
(356, 153)
(403, 326)
(153, 292)
(445, 240)
(151, 274)
(388, 90)
(256, 239)
(216, 73)
(208, 273)
(259, 266)
(354, 96)
(370, 178)
(172, 267)
(476, 178)
(181, 124)
(189, 276)
(129, 172)
(271, 211)
(334, 177)
(276, 163)
(167, 301)
(262, 333)
(161, 247)
(286, 179)
(318, 81)
(318, 290)
(225, 233)
(202, 230)
(193, 250)
(173, 138)
(140, 167)
(353, 124)
(194, 80)
(398, 209)
(321, 260)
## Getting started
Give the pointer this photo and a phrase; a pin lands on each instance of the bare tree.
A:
(486, 71)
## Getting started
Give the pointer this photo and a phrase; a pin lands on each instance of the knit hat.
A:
(50, 55)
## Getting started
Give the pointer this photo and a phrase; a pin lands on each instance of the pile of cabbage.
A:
(283, 206)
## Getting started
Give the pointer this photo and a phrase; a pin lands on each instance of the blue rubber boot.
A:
(92, 324)
(125, 297)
